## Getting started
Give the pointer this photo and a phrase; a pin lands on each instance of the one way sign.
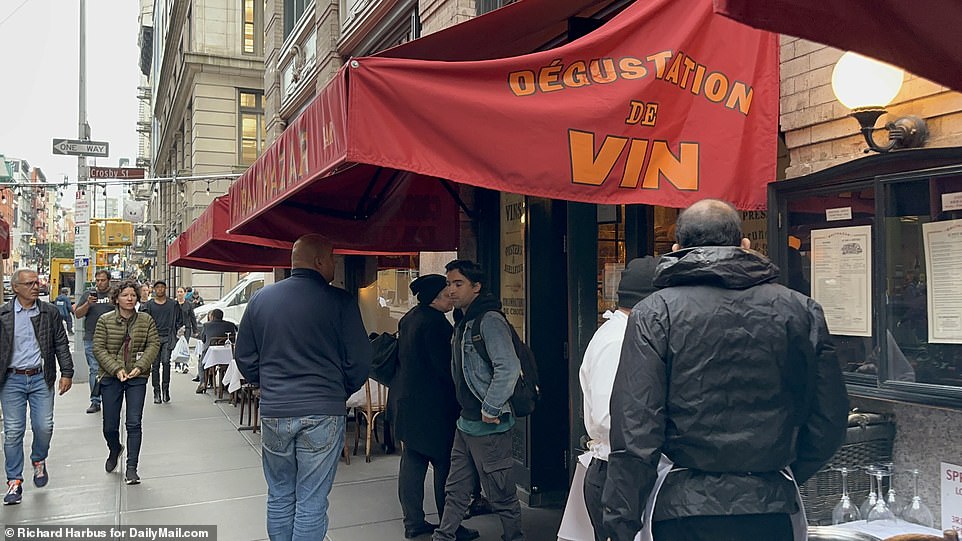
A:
(74, 147)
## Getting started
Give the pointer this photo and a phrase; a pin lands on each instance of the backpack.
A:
(527, 391)
(385, 361)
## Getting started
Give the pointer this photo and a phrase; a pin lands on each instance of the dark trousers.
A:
(491, 457)
(114, 393)
(773, 527)
(594, 485)
(163, 358)
(410, 484)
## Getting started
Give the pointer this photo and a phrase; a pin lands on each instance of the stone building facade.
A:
(207, 80)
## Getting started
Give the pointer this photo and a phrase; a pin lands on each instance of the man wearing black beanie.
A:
(427, 409)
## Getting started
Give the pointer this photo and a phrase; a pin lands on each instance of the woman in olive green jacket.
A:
(125, 345)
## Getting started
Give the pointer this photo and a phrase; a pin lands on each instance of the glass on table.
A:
(892, 500)
(845, 510)
(880, 511)
(872, 497)
(917, 512)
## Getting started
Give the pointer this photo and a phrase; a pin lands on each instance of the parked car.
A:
(235, 301)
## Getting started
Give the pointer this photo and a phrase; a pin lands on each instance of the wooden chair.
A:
(376, 403)
(947, 535)
(249, 397)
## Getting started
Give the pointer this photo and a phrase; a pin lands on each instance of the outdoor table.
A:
(886, 528)
(218, 358)
(218, 355)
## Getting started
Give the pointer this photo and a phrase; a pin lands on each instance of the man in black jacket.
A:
(215, 328)
(32, 342)
(427, 409)
(303, 341)
(168, 316)
(731, 376)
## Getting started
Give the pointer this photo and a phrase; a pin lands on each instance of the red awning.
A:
(175, 258)
(921, 36)
(665, 104)
(207, 238)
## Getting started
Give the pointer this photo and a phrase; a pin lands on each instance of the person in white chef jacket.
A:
(597, 376)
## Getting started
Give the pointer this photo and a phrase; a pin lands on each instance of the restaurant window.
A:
(882, 258)
(293, 11)
(923, 280)
(829, 259)
(252, 33)
(251, 129)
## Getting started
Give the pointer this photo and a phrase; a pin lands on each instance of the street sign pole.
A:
(80, 278)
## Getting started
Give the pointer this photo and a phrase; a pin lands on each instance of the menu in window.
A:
(842, 278)
(943, 272)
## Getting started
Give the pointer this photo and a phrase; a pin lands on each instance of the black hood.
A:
(484, 303)
(730, 267)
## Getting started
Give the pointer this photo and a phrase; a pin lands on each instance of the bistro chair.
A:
(375, 404)
(249, 397)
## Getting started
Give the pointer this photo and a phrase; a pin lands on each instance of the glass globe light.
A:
(860, 82)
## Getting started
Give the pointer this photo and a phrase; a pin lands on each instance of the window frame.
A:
(257, 48)
(258, 111)
(781, 193)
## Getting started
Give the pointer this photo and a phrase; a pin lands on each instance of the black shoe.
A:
(94, 407)
(421, 529)
(479, 506)
(131, 477)
(111, 463)
(195, 379)
(156, 396)
(201, 389)
(466, 534)
(166, 395)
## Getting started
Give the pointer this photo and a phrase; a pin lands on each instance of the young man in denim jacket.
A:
(483, 389)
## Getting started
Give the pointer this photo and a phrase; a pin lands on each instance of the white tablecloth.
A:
(886, 528)
(232, 377)
(218, 355)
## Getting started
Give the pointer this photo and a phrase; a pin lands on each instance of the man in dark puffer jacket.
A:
(734, 378)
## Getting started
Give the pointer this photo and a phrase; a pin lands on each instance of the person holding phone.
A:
(125, 344)
(90, 306)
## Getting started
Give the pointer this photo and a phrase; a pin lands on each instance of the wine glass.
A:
(872, 497)
(845, 510)
(896, 504)
(880, 511)
(916, 511)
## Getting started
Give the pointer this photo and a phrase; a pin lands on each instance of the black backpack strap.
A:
(476, 337)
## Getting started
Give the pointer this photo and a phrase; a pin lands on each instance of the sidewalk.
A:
(198, 469)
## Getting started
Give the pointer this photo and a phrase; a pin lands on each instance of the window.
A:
(293, 11)
(881, 254)
(253, 17)
(252, 132)
(485, 6)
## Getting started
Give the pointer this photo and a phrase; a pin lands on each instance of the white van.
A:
(235, 301)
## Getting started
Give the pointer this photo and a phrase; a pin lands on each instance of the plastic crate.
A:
(868, 441)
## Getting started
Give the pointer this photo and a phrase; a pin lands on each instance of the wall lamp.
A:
(867, 86)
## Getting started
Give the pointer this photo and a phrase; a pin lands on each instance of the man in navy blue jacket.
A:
(303, 342)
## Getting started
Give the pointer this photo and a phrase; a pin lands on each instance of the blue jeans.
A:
(300, 456)
(94, 370)
(18, 391)
(115, 393)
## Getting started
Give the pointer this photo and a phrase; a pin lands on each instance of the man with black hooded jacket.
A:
(733, 378)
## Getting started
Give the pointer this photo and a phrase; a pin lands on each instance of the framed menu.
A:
(842, 278)
(942, 243)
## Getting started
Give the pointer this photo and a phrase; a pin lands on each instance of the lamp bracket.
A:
(904, 132)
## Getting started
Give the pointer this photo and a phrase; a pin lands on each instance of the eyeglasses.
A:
(29, 284)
